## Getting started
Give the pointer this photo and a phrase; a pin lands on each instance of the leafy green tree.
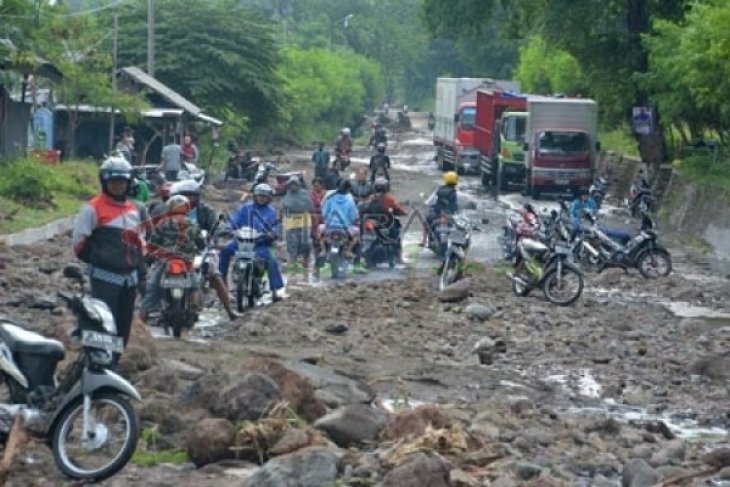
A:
(326, 90)
(547, 71)
(217, 53)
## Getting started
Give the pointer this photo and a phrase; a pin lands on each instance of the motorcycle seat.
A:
(20, 340)
(621, 236)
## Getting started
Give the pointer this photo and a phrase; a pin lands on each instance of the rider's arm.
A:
(84, 225)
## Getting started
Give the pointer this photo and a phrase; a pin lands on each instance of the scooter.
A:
(85, 417)
(248, 271)
(547, 266)
(457, 246)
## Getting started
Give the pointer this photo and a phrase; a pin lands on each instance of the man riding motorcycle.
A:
(584, 203)
(382, 209)
(379, 163)
(206, 218)
(262, 217)
(343, 147)
(379, 136)
(340, 213)
(445, 202)
(362, 189)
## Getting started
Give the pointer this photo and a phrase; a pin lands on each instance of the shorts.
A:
(298, 242)
(354, 230)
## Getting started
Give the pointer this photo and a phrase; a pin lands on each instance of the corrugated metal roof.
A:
(209, 119)
(168, 93)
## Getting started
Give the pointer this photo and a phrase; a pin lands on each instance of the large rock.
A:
(419, 470)
(210, 441)
(713, 366)
(309, 467)
(333, 389)
(141, 351)
(160, 378)
(158, 409)
(672, 452)
(246, 399)
(353, 424)
(413, 423)
(479, 312)
(458, 291)
(294, 388)
(638, 473)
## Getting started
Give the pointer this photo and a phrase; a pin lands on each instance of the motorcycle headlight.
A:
(177, 293)
(101, 357)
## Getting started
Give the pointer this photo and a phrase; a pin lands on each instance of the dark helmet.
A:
(380, 147)
(344, 186)
(381, 185)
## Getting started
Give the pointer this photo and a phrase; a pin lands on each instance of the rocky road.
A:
(375, 380)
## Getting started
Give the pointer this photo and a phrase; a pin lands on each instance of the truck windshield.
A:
(468, 117)
(563, 143)
(514, 129)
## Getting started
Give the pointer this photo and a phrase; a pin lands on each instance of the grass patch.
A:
(150, 451)
(619, 141)
(33, 194)
(703, 170)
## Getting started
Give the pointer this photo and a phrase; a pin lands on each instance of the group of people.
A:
(174, 155)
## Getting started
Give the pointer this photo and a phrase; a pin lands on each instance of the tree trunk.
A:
(651, 146)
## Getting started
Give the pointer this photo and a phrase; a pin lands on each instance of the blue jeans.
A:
(263, 252)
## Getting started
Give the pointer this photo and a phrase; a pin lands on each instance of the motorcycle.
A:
(641, 199)
(263, 170)
(336, 242)
(457, 246)
(602, 248)
(547, 266)
(191, 171)
(85, 416)
(380, 245)
(180, 296)
(248, 271)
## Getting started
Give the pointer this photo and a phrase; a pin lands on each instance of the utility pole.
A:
(150, 38)
(114, 79)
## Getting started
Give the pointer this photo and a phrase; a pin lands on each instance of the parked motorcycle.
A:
(641, 199)
(85, 416)
(191, 171)
(457, 246)
(602, 248)
(548, 267)
(248, 271)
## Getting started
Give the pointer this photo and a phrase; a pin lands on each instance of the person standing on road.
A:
(297, 208)
(190, 151)
(170, 160)
(108, 235)
(321, 159)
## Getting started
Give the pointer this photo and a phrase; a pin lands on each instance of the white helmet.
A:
(177, 204)
(187, 186)
(263, 189)
(346, 131)
(115, 167)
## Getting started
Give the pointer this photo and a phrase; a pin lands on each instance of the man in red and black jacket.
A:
(108, 235)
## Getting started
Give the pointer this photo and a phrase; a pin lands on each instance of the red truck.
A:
(490, 107)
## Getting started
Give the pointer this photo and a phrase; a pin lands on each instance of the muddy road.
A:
(636, 371)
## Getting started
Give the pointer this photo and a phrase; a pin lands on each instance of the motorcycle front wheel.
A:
(242, 291)
(563, 289)
(113, 435)
(451, 271)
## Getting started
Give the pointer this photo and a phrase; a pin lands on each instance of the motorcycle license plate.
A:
(102, 341)
(562, 249)
(177, 282)
(562, 182)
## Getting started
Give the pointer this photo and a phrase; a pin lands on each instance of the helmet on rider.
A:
(380, 147)
(263, 192)
(382, 185)
(177, 205)
(293, 182)
(164, 191)
(115, 168)
(345, 131)
(451, 178)
(344, 186)
(188, 188)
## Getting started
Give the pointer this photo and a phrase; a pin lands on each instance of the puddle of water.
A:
(686, 310)
(421, 141)
(395, 405)
(509, 383)
(584, 384)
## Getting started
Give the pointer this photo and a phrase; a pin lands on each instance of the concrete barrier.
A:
(31, 236)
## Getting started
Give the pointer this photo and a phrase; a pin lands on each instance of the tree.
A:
(548, 71)
(217, 53)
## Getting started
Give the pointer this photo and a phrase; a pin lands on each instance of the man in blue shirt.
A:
(262, 217)
(583, 203)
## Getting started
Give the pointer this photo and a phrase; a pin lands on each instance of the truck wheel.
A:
(486, 179)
